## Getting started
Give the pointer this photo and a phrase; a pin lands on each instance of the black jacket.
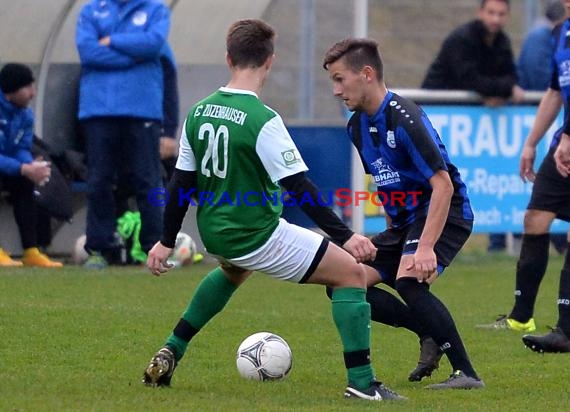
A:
(465, 62)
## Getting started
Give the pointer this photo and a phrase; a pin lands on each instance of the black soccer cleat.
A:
(375, 392)
(553, 342)
(160, 369)
(430, 355)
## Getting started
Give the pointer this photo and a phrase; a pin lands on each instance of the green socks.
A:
(212, 294)
(351, 314)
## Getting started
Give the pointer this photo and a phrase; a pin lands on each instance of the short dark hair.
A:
(249, 43)
(504, 1)
(357, 54)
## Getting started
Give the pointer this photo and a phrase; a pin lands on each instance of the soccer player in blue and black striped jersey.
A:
(428, 211)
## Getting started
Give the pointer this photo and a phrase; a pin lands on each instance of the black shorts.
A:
(551, 191)
(393, 243)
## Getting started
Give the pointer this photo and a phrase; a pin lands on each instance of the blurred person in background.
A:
(20, 173)
(128, 221)
(120, 112)
(478, 56)
(538, 48)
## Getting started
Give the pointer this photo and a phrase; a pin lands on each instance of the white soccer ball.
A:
(184, 250)
(264, 356)
(79, 254)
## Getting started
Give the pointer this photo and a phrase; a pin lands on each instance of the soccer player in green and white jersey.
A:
(233, 153)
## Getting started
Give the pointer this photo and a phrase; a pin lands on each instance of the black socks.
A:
(564, 299)
(531, 267)
(430, 312)
(388, 309)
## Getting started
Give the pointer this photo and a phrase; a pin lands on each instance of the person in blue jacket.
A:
(534, 70)
(20, 172)
(120, 113)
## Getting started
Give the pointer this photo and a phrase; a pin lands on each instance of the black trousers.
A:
(121, 150)
(33, 224)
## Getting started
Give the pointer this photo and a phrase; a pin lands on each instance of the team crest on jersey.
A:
(291, 157)
(391, 139)
(384, 173)
(140, 18)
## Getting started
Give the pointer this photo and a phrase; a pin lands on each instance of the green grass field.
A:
(78, 341)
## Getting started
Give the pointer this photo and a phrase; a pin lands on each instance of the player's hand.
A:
(157, 259)
(526, 166)
(360, 247)
(424, 264)
(562, 155)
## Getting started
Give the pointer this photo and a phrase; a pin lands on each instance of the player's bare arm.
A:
(547, 111)
(424, 260)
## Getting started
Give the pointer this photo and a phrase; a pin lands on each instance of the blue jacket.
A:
(125, 78)
(16, 134)
(534, 68)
